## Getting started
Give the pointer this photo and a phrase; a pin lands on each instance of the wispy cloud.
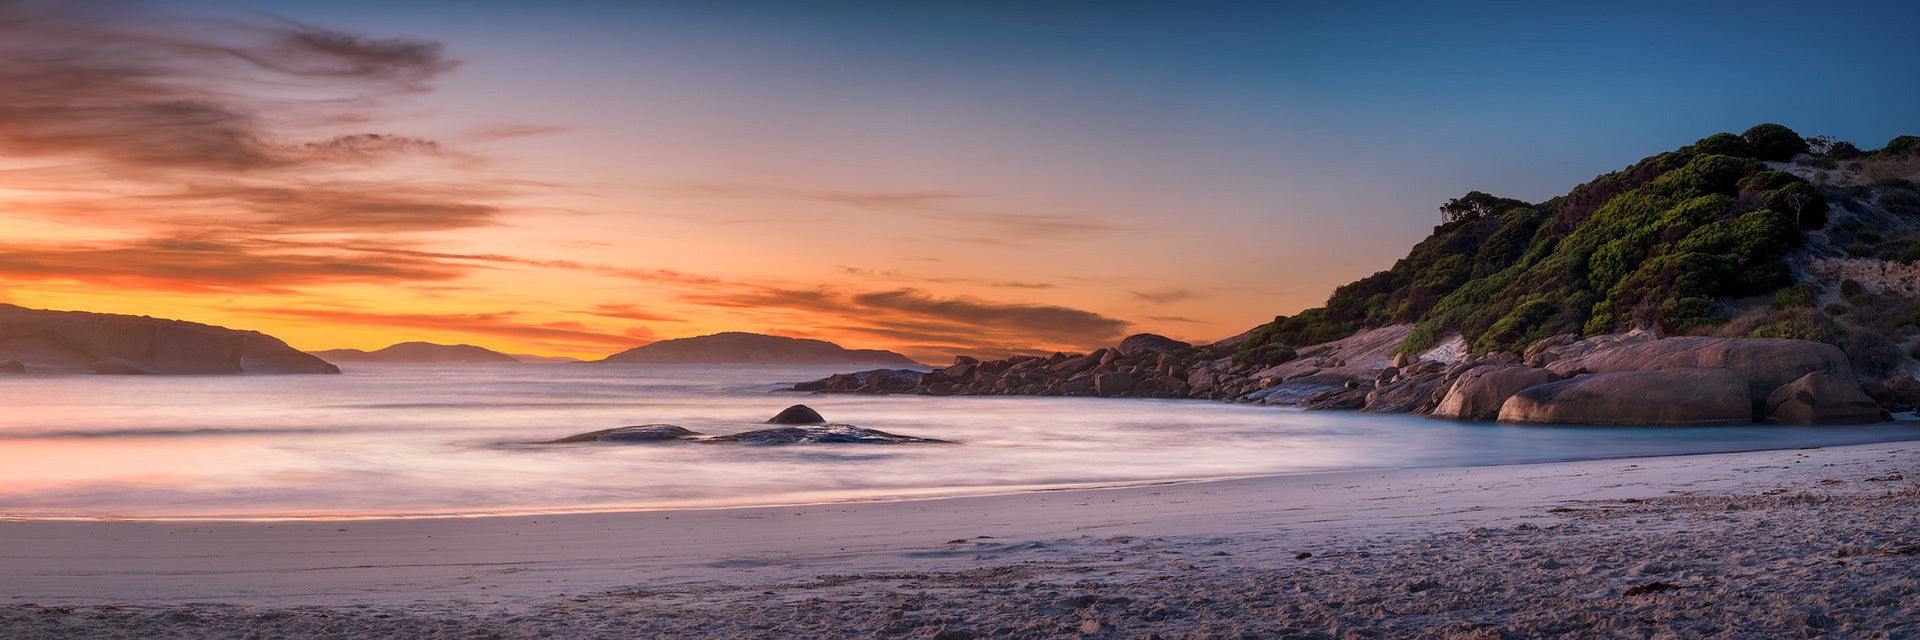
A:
(502, 324)
(896, 275)
(953, 324)
(1164, 296)
(968, 217)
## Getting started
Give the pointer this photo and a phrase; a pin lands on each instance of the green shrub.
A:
(1775, 143)
(1836, 309)
(1850, 287)
(1857, 250)
(1794, 297)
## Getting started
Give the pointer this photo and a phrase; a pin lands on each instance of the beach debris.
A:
(641, 433)
(797, 414)
(1651, 587)
(1303, 555)
(821, 434)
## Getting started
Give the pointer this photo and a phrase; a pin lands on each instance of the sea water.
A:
(384, 440)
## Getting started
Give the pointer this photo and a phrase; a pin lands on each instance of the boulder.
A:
(1135, 345)
(1764, 363)
(1112, 384)
(1409, 394)
(1480, 391)
(1546, 351)
(642, 433)
(797, 414)
(1821, 398)
(1403, 360)
(821, 434)
(1905, 390)
(1665, 397)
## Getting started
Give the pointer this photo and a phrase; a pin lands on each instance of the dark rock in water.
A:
(822, 434)
(642, 433)
(797, 414)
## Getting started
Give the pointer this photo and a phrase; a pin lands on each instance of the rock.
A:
(797, 414)
(960, 372)
(1905, 390)
(821, 434)
(1630, 398)
(1480, 391)
(1544, 351)
(1881, 395)
(1345, 398)
(642, 433)
(1134, 345)
(1403, 360)
(1821, 398)
(1112, 384)
(13, 366)
(1078, 385)
(1764, 363)
(1073, 365)
(1409, 394)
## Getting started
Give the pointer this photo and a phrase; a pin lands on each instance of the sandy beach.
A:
(1809, 543)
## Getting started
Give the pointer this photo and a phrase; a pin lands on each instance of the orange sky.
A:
(936, 178)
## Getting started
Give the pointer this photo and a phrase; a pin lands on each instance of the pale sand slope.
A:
(1794, 544)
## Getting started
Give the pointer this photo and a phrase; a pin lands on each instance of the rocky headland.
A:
(735, 347)
(40, 341)
(1759, 277)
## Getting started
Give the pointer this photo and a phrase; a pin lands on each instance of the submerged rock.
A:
(822, 434)
(642, 433)
(797, 414)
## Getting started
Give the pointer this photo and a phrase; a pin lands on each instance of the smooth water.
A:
(423, 440)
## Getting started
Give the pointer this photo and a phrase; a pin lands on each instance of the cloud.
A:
(897, 276)
(629, 312)
(110, 81)
(1167, 296)
(190, 263)
(505, 324)
(950, 209)
(960, 324)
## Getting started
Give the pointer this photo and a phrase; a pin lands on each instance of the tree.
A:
(1475, 204)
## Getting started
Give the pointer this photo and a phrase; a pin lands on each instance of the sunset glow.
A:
(931, 178)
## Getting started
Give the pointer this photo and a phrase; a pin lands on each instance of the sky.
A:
(935, 178)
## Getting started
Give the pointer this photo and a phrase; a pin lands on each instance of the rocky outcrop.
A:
(1763, 363)
(78, 342)
(1821, 398)
(797, 414)
(822, 434)
(642, 433)
(1665, 397)
(1479, 392)
(753, 348)
(1134, 346)
(419, 352)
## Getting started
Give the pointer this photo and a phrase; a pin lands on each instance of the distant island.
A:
(418, 352)
(735, 347)
(42, 341)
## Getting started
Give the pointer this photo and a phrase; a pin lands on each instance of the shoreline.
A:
(967, 556)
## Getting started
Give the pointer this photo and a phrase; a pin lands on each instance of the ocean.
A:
(403, 440)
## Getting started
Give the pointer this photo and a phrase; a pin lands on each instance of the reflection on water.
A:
(457, 439)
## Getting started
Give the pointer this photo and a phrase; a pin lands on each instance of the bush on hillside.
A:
(1775, 143)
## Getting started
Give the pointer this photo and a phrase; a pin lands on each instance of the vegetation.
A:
(1665, 243)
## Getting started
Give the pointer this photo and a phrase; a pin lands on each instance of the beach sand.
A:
(1812, 543)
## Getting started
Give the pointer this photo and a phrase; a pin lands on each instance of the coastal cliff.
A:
(41, 341)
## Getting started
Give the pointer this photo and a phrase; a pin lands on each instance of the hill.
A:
(754, 348)
(1735, 235)
(41, 341)
(418, 352)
